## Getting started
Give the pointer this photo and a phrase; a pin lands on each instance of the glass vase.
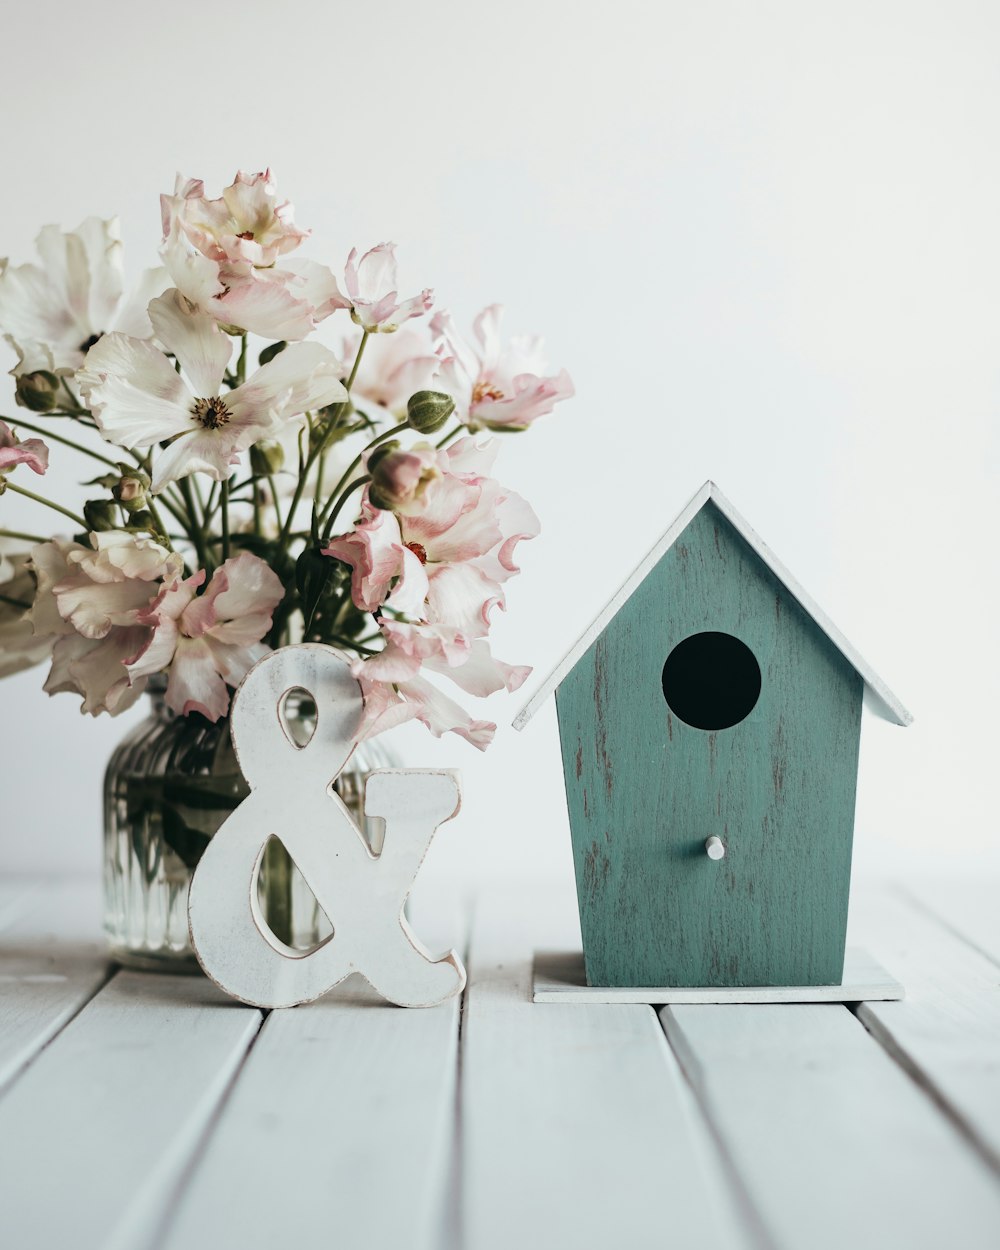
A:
(169, 786)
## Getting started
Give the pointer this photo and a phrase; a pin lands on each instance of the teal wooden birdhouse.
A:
(710, 722)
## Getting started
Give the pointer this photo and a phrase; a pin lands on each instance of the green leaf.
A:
(186, 842)
(314, 574)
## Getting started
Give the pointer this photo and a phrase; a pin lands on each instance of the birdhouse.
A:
(710, 722)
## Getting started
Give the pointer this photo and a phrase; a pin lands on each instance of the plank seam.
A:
(883, 1037)
(454, 1218)
(756, 1227)
(110, 972)
(177, 1190)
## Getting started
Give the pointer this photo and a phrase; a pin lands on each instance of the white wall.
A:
(763, 238)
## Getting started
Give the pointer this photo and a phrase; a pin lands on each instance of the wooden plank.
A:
(559, 977)
(577, 1126)
(968, 906)
(52, 962)
(341, 1124)
(834, 1142)
(96, 1133)
(947, 1034)
(340, 1128)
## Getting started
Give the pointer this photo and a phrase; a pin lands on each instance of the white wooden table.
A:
(142, 1111)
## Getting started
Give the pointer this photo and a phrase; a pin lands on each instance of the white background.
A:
(765, 241)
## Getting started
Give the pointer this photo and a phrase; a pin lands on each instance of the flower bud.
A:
(401, 478)
(381, 451)
(100, 515)
(130, 489)
(141, 523)
(38, 391)
(427, 411)
(269, 352)
(266, 458)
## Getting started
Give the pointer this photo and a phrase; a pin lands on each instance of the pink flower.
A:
(395, 367)
(15, 451)
(223, 255)
(138, 399)
(208, 642)
(387, 706)
(246, 223)
(90, 600)
(436, 565)
(54, 312)
(371, 288)
(496, 387)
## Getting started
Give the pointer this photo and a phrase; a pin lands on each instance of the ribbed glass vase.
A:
(169, 786)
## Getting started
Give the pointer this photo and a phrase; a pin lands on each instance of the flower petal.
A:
(195, 339)
(302, 377)
(442, 715)
(194, 684)
(481, 674)
(135, 394)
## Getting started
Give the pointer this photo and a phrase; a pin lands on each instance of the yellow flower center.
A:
(483, 390)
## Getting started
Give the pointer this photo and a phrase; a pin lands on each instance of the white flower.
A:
(138, 399)
(53, 313)
(372, 290)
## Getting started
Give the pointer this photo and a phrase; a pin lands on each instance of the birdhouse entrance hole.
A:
(711, 681)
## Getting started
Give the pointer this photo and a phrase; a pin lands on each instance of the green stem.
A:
(25, 538)
(58, 438)
(328, 516)
(56, 507)
(344, 496)
(274, 503)
(194, 528)
(318, 450)
(224, 506)
(241, 364)
(449, 436)
(174, 511)
(14, 603)
(161, 529)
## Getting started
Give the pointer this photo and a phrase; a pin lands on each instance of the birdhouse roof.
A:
(878, 697)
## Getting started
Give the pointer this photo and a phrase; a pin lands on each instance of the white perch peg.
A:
(715, 848)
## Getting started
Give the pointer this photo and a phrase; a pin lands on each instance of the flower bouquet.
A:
(277, 454)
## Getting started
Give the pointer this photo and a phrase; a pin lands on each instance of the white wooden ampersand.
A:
(291, 798)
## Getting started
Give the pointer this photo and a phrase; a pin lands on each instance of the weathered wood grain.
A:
(947, 1033)
(52, 962)
(878, 696)
(835, 1143)
(645, 789)
(342, 1124)
(340, 1127)
(577, 1128)
(96, 1133)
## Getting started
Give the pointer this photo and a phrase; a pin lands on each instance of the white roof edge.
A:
(878, 697)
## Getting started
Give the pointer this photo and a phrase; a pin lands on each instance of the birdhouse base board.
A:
(559, 977)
